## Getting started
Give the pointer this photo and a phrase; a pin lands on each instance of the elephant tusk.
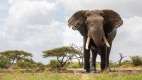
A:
(87, 43)
(106, 42)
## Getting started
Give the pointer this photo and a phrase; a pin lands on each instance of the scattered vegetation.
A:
(136, 60)
(67, 59)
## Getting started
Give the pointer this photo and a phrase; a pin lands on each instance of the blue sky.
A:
(38, 25)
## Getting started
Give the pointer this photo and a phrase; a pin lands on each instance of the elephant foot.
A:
(87, 70)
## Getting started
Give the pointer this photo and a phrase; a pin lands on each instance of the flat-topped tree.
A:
(63, 54)
(15, 55)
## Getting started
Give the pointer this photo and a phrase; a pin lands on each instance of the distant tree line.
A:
(66, 56)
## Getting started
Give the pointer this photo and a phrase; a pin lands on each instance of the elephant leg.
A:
(87, 60)
(104, 59)
(105, 52)
(103, 62)
(94, 55)
(86, 57)
(110, 37)
(108, 53)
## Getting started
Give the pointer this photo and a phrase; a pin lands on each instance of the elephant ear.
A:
(77, 19)
(112, 20)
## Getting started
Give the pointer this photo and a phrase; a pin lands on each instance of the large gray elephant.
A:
(98, 28)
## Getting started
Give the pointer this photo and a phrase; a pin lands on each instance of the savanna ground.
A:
(134, 73)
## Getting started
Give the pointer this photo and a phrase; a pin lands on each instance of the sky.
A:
(38, 25)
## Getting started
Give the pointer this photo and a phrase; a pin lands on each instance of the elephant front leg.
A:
(104, 59)
(87, 60)
(103, 62)
(108, 54)
(94, 55)
(86, 56)
(105, 53)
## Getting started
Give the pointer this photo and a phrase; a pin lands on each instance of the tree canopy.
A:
(15, 55)
(61, 51)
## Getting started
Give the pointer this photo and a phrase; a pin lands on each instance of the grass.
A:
(69, 76)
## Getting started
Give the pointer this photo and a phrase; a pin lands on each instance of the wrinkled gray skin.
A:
(96, 24)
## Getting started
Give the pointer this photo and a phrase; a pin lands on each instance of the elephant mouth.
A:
(88, 42)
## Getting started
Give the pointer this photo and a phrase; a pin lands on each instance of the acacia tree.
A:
(13, 56)
(63, 54)
(4, 62)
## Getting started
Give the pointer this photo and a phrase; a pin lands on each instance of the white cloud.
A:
(127, 8)
(31, 12)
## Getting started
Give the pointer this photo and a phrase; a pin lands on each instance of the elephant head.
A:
(92, 22)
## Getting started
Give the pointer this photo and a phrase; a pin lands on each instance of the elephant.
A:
(98, 28)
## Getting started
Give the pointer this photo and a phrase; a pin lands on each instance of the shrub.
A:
(54, 64)
(4, 63)
(31, 66)
(40, 67)
(136, 60)
(26, 65)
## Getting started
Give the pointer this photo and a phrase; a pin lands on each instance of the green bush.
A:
(40, 67)
(136, 60)
(127, 62)
(31, 66)
(54, 64)
(26, 65)
(4, 63)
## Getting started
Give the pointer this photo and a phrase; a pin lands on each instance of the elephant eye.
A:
(77, 24)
